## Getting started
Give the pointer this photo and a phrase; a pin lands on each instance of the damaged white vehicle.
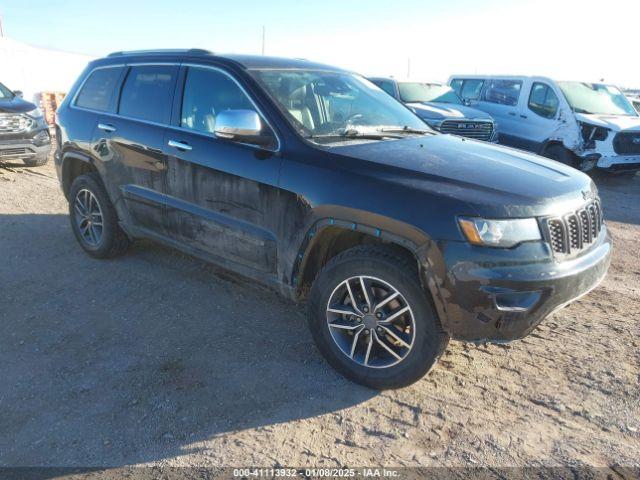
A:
(585, 125)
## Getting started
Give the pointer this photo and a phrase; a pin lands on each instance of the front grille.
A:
(16, 152)
(627, 143)
(575, 231)
(14, 123)
(469, 129)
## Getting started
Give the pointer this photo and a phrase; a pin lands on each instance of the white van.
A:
(585, 125)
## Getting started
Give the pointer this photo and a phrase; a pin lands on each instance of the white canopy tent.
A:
(35, 69)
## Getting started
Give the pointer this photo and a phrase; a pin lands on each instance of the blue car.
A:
(441, 108)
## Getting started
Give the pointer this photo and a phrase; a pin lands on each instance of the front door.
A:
(541, 115)
(131, 144)
(223, 195)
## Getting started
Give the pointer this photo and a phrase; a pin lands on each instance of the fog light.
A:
(516, 301)
(42, 137)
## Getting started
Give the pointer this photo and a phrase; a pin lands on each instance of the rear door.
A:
(131, 144)
(223, 194)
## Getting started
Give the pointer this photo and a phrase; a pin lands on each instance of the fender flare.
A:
(430, 264)
(546, 143)
(64, 174)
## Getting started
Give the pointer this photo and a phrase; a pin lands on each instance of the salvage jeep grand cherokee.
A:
(313, 181)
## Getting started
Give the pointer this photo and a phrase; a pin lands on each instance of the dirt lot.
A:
(157, 358)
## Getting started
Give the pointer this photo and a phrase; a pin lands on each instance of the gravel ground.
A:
(155, 358)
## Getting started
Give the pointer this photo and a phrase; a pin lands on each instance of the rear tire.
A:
(416, 336)
(93, 218)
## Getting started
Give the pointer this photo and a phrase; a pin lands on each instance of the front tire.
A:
(93, 218)
(560, 154)
(372, 320)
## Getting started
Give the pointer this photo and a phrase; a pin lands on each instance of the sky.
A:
(423, 40)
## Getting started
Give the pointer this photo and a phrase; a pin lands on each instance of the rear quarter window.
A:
(503, 92)
(147, 93)
(97, 91)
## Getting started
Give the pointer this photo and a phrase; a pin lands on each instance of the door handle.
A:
(523, 116)
(179, 145)
(106, 127)
(513, 114)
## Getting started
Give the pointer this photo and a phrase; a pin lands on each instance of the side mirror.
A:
(18, 93)
(466, 102)
(243, 126)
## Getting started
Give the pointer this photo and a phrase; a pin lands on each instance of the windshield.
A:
(596, 98)
(427, 92)
(331, 104)
(5, 92)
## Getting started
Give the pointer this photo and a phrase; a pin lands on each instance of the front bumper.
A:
(25, 145)
(610, 161)
(500, 295)
(619, 163)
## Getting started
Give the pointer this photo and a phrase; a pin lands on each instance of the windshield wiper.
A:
(357, 134)
(374, 134)
(405, 129)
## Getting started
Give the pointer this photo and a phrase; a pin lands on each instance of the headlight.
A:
(592, 133)
(499, 233)
(35, 113)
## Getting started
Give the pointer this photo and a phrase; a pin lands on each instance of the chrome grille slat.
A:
(585, 223)
(14, 123)
(575, 231)
(470, 129)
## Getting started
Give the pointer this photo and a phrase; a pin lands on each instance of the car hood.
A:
(442, 111)
(494, 181)
(617, 123)
(15, 105)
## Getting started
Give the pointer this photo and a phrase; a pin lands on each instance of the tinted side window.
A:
(503, 92)
(206, 93)
(147, 93)
(543, 100)
(97, 91)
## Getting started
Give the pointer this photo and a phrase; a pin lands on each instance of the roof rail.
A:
(189, 51)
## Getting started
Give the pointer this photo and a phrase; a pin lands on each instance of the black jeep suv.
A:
(24, 134)
(311, 180)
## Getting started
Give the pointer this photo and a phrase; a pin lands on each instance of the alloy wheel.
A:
(88, 217)
(371, 322)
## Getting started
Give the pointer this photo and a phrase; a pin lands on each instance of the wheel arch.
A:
(548, 143)
(74, 164)
(330, 236)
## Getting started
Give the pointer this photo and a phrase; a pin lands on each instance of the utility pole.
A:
(1, 27)
(263, 38)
